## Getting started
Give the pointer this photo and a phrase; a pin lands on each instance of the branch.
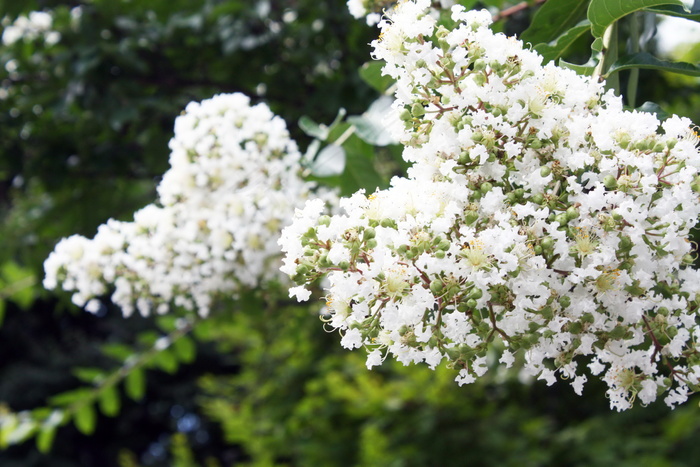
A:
(515, 9)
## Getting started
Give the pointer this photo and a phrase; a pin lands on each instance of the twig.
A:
(515, 9)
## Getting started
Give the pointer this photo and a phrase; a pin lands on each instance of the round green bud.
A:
(371, 244)
(572, 213)
(486, 187)
(476, 293)
(610, 182)
(436, 286)
(561, 218)
(417, 110)
(547, 243)
(537, 198)
(545, 170)
(564, 301)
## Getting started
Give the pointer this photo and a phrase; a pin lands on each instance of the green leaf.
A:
(603, 13)
(648, 61)
(45, 437)
(371, 73)
(554, 19)
(135, 384)
(185, 349)
(328, 162)
(85, 419)
(371, 126)
(89, 375)
(109, 401)
(360, 172)
(677, 11)
(119, 352)
(557, 48)
(19, 284)
(2, 311)
(653, 108)
(166, 361)
(9, 423)
(586, 69)
(312, 128)
(167, 323)
(70, 397)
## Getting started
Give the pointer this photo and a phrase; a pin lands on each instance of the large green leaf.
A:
(603, 13)
(557, 48)
(648, 61)
(553, 19)
(673, 10)
(371, 73)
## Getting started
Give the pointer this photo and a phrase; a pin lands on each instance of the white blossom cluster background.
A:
(233, 183)
(539, 222)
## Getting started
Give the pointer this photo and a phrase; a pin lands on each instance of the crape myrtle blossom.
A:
(37, 24)
(233, 184)
(539, 221)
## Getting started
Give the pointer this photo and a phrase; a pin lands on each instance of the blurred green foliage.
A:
(84, 129)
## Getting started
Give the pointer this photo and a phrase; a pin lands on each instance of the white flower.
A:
(536, 212)
(233, 184)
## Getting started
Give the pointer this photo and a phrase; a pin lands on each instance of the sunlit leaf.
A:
(85, 419)
(603, 13)
(109, 401)
(185, 349)
(329, 161)
(135, 384)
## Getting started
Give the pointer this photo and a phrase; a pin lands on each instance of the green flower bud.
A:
(388, 223)
(561, 218)
(547, 243)
(417, 110)
(610, 182)
(545, 170)
(572, 213)
(486, 187)
(436, 286)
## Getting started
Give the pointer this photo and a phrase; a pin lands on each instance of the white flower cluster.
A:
(34, 26)
(233, 184)
(371, 10)
(538, 218)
